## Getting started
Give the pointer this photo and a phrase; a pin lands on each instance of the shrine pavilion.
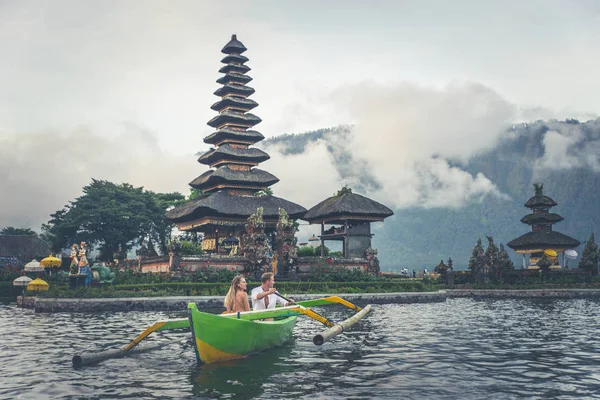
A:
(541, 237)
(233, 188)
(350, 216)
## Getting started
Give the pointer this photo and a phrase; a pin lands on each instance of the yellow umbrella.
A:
(37, 285)
(50, 262)
(550, 253)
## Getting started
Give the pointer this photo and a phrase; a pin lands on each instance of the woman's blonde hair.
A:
(228, 303)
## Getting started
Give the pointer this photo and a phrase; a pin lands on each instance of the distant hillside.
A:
(416, 238)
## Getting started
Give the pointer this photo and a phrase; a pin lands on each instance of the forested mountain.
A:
(418, 238)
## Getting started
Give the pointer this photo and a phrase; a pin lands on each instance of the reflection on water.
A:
(458, 349)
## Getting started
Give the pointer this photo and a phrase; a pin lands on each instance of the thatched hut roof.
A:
(234, 59)
(23, 247)
(234, 77)
(540, 200)
(234, 46)
(543, 240)
(242, 69)
(226, 152)
(234, 89)
(225, 175)
(338, 208)
(237, 102)
(541, 218)
(235, 135)
(222, 204)
(235, 118)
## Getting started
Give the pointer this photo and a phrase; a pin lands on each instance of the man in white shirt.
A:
(264, 297)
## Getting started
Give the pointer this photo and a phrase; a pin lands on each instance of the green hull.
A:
(220, 338)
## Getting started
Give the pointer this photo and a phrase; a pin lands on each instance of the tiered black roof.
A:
(255, 178)
(543, 240)
(237, 103)
(234, 78)
(234, 135)
(350, 205)
(234, 46)
(223, 204)
(226, 152)
(541, 218)
(228, 188)
(541, 221)
(233, 118)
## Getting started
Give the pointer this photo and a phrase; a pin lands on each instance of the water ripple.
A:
(495, 349)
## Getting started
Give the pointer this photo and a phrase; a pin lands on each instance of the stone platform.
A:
(180, 303)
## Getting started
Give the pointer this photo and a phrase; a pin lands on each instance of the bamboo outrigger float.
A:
(221, 337)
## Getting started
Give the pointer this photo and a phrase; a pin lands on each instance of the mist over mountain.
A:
(443, 217)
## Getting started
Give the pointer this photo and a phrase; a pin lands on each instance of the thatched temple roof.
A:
(234, 59)
(541, 218)
(336, 209)
(235, 135)
(242, 69)
(222, 204)
(234, 46)
(543, 240)
(539, 201)
(234, 118)
(226, 152)
(237, 102)
(225, 175)
(234, 78)
(234, 89)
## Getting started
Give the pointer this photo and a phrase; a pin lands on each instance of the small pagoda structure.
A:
(233, 188)
(541, 237)
(350, 216)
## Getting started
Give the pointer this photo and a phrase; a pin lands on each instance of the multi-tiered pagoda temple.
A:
(233, 188)
(541, 237)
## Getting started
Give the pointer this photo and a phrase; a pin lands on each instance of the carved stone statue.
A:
(74, 267)
(286, 242)
(253, 243)
(373, 261)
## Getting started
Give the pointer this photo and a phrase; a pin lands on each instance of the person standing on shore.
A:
(264, 297)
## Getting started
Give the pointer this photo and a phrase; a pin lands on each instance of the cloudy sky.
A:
(121, 90)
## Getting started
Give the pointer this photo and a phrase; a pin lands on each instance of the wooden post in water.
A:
(341, 327)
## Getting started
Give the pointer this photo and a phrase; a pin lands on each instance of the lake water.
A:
(495, 349)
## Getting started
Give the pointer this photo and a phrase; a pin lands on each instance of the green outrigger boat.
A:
(221, 337)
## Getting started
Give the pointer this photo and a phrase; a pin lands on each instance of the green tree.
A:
(491, 257)
(161, 228)
(441, 269)
(477, 260)
(312, 251)
(544, 263)
(590, 257)
(112, 217)
(505, 264)
(9, 230)
(194, 194)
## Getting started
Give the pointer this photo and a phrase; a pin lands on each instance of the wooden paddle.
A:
(283, 297)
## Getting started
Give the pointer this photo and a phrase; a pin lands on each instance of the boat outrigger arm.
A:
(300, 308)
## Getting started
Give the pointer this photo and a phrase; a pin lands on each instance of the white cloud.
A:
(407, 134)
(41, 172)
(569, 146)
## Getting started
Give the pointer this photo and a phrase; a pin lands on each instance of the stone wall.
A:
(206, 302)
(304, 264)
(525, 294)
